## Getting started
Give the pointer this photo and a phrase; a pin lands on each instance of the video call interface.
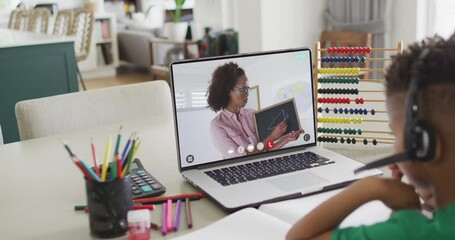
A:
(270, 107)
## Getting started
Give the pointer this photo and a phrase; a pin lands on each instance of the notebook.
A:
(273, 221)
(234, 155)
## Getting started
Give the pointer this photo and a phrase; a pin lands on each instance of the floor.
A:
(122, 78)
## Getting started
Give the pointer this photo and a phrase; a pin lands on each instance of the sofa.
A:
(134, 43)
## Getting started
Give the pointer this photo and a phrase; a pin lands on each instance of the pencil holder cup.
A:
(108, 205)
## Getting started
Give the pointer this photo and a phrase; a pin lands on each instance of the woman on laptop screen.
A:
(233, 129)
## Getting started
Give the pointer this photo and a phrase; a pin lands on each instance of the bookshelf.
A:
(103, 56)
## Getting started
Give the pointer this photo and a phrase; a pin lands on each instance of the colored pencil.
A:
(189, 217)
(130, 157)
(90, 171)
(177, 215)
(79, 165)
(127, 148)
(76, 161)
(163, 219)
(157, 200)
(85, 208)
(95, 162)
(106, 158)
(169, 215)
(119, 166)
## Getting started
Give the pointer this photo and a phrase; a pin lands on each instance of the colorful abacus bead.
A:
(375, 142)
(365, 141)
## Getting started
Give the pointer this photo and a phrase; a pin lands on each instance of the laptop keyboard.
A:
(267, 168)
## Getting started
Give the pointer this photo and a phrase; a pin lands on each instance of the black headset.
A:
(420, 139)
(419, 135)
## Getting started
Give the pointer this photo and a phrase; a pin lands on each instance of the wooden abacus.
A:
(338, 114)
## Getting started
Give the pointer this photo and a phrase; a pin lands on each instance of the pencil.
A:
(95, 162)
(130, 157)
(85, 208)
(119, 166)
(106, 157)
(157, 200)
(189, 217)
(163, 219)
(126, 149)
(76, 161)
(79, 165)
(90, 171)
(136, 148)
(113, 171)
(117, 144)
(169, 215)
(177, 215)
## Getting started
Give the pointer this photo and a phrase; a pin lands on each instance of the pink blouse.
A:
(228, 135)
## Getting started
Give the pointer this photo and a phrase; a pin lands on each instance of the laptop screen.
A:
(236, 106)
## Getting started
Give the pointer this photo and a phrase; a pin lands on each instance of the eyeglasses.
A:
(244, 90)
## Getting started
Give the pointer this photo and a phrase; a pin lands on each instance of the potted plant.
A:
(176, 30)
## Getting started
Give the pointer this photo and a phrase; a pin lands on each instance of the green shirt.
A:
(405, 224)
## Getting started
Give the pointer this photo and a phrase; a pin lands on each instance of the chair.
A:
(63, 23)
(39, 20)
(88, 109)
(13, 18)
(21, 19)
(346, 39)
(82, 30)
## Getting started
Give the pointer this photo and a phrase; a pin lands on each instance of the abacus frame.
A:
(317, 60)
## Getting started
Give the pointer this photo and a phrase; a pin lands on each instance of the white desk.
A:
(16, 38)
(39, 185)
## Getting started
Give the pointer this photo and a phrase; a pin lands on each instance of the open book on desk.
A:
(272, 221)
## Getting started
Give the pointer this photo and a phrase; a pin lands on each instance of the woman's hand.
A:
(294, 135)
(279, 130)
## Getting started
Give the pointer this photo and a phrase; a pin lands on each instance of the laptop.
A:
(235, 168)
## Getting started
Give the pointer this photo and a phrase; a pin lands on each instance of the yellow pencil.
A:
(136, 148)
(106, 158)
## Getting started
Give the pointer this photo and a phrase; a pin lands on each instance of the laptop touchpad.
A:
(297, 181)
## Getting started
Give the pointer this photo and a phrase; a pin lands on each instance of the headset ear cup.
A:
(424, 136)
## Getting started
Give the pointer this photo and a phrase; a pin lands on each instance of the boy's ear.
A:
(438, 150)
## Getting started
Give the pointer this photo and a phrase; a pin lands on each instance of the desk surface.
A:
(16, 38)
(39, 185)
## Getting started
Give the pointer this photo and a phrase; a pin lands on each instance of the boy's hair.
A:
(436, 74)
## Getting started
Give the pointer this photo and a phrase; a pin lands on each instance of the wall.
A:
(409, 21)
(271, 24)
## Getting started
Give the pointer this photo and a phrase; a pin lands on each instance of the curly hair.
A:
(437, 67)
(223, 81)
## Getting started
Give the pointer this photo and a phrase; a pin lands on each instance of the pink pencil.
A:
(95, 162)
(169, 215)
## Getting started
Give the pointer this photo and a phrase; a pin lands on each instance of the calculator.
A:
(143, 183)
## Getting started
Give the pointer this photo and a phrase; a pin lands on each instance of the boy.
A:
(435, 178)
